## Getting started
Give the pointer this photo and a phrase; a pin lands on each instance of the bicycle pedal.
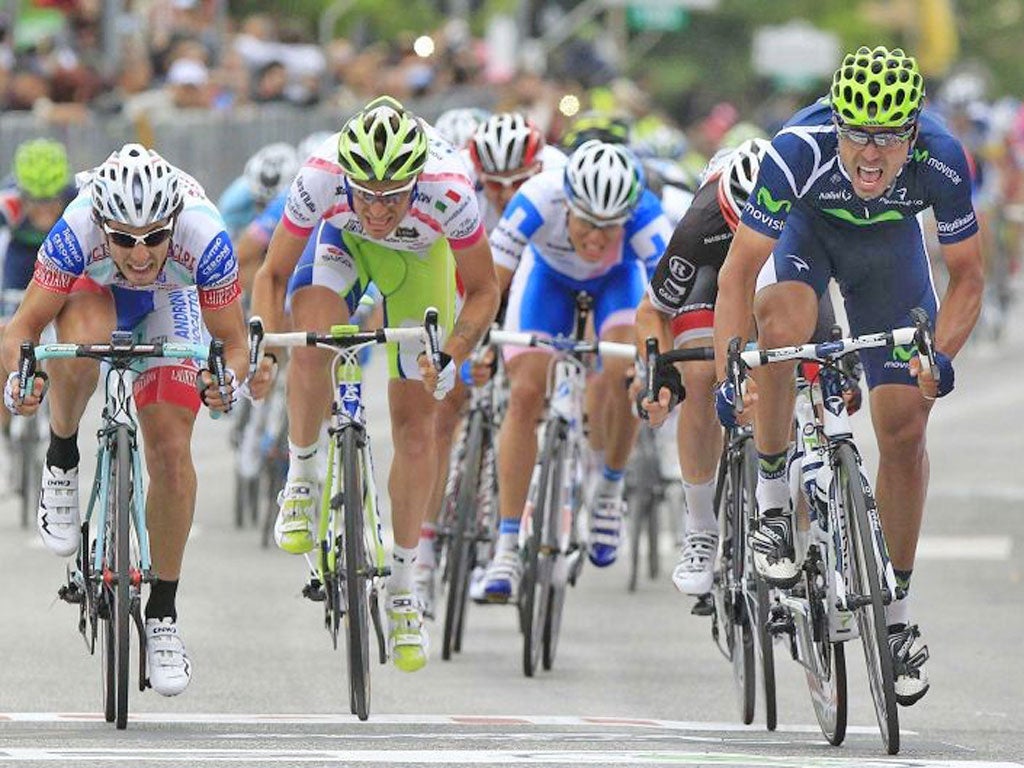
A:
(704, 606)
(314, 591)
(71, 593)
(780, 622)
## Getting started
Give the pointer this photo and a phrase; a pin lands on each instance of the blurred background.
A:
(207, 82)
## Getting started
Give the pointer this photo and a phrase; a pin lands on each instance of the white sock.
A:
(898, 611)
(425, 554)
(403, 560)
(772, 494)
(301, 462)
(700, 507)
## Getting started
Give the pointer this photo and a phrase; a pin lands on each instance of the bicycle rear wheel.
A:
(535, 594)
(866, 584)
(30, 472)
(461, 542)
(356, 576)
(827, 681)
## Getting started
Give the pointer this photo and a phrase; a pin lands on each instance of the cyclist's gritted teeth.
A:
(869, 176)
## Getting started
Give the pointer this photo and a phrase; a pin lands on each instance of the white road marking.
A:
(474, 757)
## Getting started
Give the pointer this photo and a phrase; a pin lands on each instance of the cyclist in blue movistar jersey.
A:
(590, 227)
(838, 195)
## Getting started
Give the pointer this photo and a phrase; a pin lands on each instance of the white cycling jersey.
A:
(200, 252)
(538, 216)
(444, 202)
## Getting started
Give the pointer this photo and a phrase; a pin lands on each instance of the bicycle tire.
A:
(461, 543)
(274, 474)
(636, 502)
(30, 473)
(122, 608)
(829, 696)
(536, 583)
(654, 537)
(743, 485)
(356, 576)
(758, 616)
(866, 582)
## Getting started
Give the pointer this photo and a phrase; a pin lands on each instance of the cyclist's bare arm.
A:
(38, 309)
(504, 278)
(271, 280)
(737, 280)
(249, 249)
(652, 322)
(962, 302)
(480, 304)
(228, 324)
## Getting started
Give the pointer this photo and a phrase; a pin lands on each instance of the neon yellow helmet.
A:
(41, 168)
(382, 142)
(877, 87)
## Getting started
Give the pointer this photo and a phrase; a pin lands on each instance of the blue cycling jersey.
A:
(802, 171)
(237, 205)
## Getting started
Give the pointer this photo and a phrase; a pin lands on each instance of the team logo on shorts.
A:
(681, 269)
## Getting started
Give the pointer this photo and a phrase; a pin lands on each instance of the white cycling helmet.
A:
(603, 182)
(135, 186)
(270, 169)
(505, 142)
(458, 125)
(738, 177)
(311, 144)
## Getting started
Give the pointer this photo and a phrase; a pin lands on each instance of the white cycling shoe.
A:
(57, 518)
(167, 664)
(693, 574)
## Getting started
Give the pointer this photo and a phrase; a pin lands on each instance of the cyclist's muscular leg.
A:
(900, 416)
(620, 425)
(699, 433)
(786, 314)
(171, 498)
(87, 317)
(517, 447)
(314, 307)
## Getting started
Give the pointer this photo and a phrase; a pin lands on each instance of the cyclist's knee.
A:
(786, 314)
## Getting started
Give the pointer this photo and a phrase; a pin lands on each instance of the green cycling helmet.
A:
(877, 87)
(382, 142)
(41, 168)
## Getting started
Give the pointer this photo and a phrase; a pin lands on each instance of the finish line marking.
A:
(450, 720)
(475, 757)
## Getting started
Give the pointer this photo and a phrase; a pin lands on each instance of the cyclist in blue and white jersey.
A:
(838, 195)
(266, 173)
(590, 227)
(140, 249)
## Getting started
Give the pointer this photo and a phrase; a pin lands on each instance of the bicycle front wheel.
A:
(536, 585)
(119, 520)
(866, 584)
(357, 577)
(30, 472)
(461, 542)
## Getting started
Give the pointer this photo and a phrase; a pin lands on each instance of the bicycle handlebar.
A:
(561, 344)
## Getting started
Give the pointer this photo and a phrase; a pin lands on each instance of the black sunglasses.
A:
(149, 240)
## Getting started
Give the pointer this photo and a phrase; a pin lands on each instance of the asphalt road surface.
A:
(637, 681)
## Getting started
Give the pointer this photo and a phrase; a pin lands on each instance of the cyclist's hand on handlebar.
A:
(438, 383)
(926, 382)
(725, 403)
(482, 367)
(209, 392)
(30, 403)
(257, 386)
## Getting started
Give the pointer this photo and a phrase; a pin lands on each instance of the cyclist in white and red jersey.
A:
(385, 200)
(140, 249)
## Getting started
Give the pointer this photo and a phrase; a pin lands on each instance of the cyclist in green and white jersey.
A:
(386, 200)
